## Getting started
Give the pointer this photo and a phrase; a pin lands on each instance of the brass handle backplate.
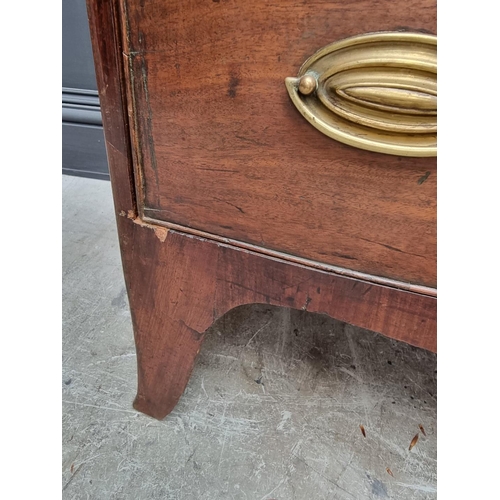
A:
(376, 91)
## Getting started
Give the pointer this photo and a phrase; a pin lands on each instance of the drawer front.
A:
(221, 148)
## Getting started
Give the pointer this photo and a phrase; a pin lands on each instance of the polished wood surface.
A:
(222, 149)
(178, 283)
(110, 75)
(179, 286)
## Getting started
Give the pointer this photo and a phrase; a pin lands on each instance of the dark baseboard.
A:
(85, 173)
(83, 147)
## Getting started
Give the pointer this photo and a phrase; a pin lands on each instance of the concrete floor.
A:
(272, 411)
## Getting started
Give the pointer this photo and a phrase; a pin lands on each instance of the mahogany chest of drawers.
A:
(276, 152)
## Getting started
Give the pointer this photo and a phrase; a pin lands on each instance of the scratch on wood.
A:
(308, 301)
(252, 141)
(391, 247)
(231, 204)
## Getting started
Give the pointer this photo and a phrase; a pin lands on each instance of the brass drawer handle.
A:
(376, 91)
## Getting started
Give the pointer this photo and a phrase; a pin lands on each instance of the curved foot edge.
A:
(153, 409)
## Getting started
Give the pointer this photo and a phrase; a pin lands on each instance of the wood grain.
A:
(179, 284)
(222, 149)
(179, 287)
(107, 50)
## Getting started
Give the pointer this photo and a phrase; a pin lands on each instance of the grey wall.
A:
(78, 65)
(83, 151)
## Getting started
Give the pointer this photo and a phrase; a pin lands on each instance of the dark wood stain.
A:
(276, 189)
(423, 178)
(178, 288)
(233, 85)
(231, 110)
